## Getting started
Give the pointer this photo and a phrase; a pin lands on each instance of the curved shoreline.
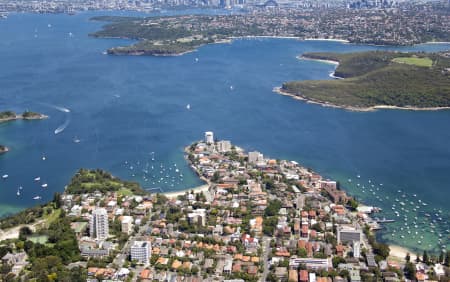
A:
(220, 41)
(196, 190)
(113, 51)
(145, 53)
(436, 42)
(400, 252)
(327, 39)
(231, 38)
(330, 62)
(279, 90)
(306, 58)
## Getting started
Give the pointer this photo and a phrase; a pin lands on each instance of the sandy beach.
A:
(331, 62)
(263, 36)
(436, 42)
(400, 252)
(175, 194)
(327, 39)
(13, 233)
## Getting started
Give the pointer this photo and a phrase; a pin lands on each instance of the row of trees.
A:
(444, 258)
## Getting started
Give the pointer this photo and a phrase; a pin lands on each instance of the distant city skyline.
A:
(66, 6)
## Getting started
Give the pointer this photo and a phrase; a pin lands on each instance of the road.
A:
(13, 233)
(123, 255)
(266, 251)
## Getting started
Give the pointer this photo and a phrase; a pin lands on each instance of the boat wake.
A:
(62, 126)
(61, 109)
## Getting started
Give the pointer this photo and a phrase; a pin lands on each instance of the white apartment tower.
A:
(223, 146)
(356, 249)
(127, 224)
(99, 228)
(141, 251)
(209, 137)
(255, 157)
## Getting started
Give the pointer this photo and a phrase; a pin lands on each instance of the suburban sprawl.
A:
(175, 35)
(255, 219)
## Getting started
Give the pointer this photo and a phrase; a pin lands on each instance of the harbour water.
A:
(129, 115)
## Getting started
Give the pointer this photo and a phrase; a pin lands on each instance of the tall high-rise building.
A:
(99, 228)
(209, 137)
(140, 251)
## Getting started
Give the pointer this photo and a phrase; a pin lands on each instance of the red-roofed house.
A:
(303, 276)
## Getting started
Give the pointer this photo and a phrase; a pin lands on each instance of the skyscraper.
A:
(99, 228)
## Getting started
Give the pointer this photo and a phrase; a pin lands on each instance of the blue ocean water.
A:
(128, 115)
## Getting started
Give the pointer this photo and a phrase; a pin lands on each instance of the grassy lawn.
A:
(124, 192)
(41, 239)
(415, 61)
(49, 218)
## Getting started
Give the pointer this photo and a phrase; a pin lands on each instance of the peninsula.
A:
(176, 35)
(378, 79)
(259, 219)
